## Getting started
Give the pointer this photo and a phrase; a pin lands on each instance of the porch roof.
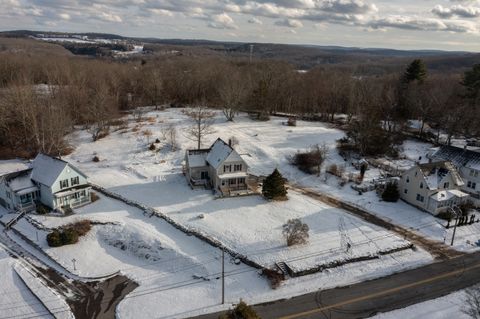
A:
(233, 175)
(71, 191)
(448, 194)
(27, 190)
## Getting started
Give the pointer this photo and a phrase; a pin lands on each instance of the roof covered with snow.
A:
(197, 158)
(435, 172)
(218, 153)
(21, 181)
(448, 194)
(12, 166)
(46, 169)
(458, 156)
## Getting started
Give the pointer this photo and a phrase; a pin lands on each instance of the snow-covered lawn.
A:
(446, 307)
(182, 270)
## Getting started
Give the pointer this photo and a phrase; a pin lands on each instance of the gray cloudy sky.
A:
(408, 24)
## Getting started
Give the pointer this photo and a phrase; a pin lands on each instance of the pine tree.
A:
(274, 186)
(391, 194)
(416, 71)
(471, 81)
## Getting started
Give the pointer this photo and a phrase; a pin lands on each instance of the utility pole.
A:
(455, 226)
(223, 276)
(74, 266)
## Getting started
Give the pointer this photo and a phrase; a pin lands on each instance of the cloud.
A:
(423, 24)
(222, 21)
(290, 23)
(254, 20)
(456, 11)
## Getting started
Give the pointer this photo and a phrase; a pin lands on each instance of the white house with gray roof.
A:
(467, 163)
(433, 187)
(219, 167)
(50, 181)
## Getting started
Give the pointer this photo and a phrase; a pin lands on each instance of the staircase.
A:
(283, 267)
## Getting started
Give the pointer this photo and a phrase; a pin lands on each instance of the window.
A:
(237, 167)
(408, 179)
(476, 174)
(232, 181)
(420, 198)
(223, 182)
(227, 168)
(64, 183)
(421, 185)
(241, 180)
(405, 191)
(471, 185)
(472, 172)
(75, 180)
(9, 195)
(416, 173)
(446, 185)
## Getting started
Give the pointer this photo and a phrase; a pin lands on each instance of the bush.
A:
(295, 232)
(157, 141)
(152, 147)
(310, 161)
(96, 159)
(241, 311)
(81, 228)
(54, 239)
(274, 186)
(391, 194)
(274, 276)
(69, 236)
(292, 121)
(94, 197)
(42, 209)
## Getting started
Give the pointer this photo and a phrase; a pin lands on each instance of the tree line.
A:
(43, 97)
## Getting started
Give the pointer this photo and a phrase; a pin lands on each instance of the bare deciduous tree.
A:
(295, 232)
(202, 119)
(232, 92)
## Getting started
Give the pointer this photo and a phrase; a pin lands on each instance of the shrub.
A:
(241, 311)
(42, 209)
(69, 236)
(96, 159)
(54, 239)
(81, 227)
(310, 161)
(295, 232)
(274, 186)
(152, 147)
(391, 194)
(94, 197)
(157, 141)
(274, 276)
(292, 121)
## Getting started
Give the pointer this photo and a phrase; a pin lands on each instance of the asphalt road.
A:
(367, 298)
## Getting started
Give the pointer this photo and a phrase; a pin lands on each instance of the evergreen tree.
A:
(274, 186)
(391, 194)
(416, 71)
(471, 81)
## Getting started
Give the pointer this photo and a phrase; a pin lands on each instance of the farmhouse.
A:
(219, 167)
(433, 187)
(468, 165)
(50, 181)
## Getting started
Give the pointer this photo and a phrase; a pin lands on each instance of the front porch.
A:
(72, 198)
(237, 184)
(26, 199)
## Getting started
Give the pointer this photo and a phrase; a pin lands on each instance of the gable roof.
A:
(46, 169)
(458, 156)
(435, 172)
(219, 152)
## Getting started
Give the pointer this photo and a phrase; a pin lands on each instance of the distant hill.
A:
(366, 60)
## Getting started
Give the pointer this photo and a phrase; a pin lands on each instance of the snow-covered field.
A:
(182, 270)
(446, 307)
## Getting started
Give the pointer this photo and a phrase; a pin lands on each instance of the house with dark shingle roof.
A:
(467, 163)
(219, 167)
(433, 187)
